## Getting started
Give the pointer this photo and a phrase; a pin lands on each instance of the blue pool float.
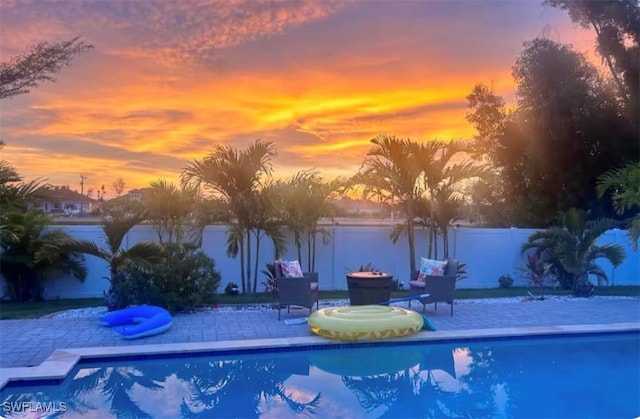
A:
(138, 321)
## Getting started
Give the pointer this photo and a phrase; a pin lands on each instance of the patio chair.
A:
(439, 288)
(296, 291)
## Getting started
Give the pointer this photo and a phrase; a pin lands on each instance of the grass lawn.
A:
(31, 310)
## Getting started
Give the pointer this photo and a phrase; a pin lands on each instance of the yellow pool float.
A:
(367, 322)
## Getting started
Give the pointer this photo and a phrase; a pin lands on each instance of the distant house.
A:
(61, 199)
(138, 194)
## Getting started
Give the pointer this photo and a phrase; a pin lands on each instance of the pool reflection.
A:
(499, 379)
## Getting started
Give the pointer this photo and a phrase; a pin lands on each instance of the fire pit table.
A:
(369, 287)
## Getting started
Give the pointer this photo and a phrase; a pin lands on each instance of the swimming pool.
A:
(581, 376)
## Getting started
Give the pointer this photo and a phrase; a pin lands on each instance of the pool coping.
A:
(60, 363)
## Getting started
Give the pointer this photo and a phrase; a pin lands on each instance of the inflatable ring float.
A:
(367, 322)
(138, 321)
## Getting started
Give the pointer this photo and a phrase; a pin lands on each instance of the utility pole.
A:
(82, 179)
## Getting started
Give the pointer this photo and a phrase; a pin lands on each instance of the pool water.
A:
(594, 376)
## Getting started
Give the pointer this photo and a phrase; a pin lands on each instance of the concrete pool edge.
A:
(58, 365)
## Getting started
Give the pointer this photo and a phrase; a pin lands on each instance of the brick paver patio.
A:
(29, 342)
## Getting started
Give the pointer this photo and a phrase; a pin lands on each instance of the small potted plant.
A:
(505, 281)
(232, 289)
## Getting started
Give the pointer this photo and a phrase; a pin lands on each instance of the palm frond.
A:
(235, 239)
(141, 255)
(624, 184)
(71, 245)
(612, 252)
(398, 230)
(115, 229)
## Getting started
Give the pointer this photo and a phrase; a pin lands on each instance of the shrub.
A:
(505, 281)
(271, 283)
(184, 279)
(462, 272)
(231, 288)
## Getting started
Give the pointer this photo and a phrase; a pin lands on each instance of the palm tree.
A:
(390, 172)
(235, 177)
(169, 209)
(115, 228)
(625, 186)
(304, 201)
(14, 192)
(442, 179)
(15, 196)
(266, 223)
(24, 264)
(572, 248)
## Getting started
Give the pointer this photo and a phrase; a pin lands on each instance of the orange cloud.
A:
(168, 80)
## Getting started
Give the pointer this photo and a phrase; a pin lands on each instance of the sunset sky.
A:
(167, 80)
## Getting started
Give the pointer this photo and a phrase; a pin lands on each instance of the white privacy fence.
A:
(487, 252)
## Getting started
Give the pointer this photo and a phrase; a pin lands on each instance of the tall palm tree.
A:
(624, 184)
(115, 228)
(24, 264)
(442, 179)
(390, 172)
(235, 176)
(266, 223)
(304, 201)
(572, 248)
(169, 209)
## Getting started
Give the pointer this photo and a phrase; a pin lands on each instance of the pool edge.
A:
(62, 361)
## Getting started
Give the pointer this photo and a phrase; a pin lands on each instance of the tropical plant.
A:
(439, 197)
(231, 288)
(537, 272)
(270, 283)
(442, 179)
(15, 193)
(169, 209)
(24, 263)
(183, 279)
(462, 272)
(505, 281)
(304, 201)
(141, 255)
(266, 223)
(390, 173)
(572, 247)
(624, 183)
(235, 177)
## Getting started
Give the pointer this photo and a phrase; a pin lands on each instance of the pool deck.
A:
(25, 344)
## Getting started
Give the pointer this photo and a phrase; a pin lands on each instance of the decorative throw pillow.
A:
(431, 267)
(291, 269)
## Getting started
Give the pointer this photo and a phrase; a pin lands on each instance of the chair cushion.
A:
(417, 284)
(291, 269)
(431, 267)
(315, 286)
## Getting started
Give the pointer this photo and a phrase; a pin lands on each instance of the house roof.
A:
(63, 193)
